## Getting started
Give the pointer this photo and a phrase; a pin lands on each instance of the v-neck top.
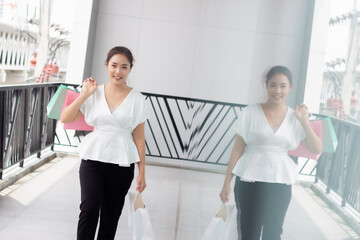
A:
(112, 141)
(265, 158)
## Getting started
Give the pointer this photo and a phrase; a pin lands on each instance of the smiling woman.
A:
(259, 159)
(118, 114)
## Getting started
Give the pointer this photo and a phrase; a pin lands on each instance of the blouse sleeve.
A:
(84, 108)
(240, 126)
(299, 132)
(142, 112)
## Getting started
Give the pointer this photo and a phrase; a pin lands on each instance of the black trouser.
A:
(261, 207)
(103, 190)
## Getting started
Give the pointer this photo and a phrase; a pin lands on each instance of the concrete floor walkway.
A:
(181, 203)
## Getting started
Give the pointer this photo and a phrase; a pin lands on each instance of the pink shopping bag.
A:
(79, 124)
(302, 151)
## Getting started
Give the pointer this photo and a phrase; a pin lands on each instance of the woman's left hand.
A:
(302, 112)
(141, 183)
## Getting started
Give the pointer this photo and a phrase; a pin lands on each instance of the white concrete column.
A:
(351, 64)
(43, 38)
(315, 68)
(79, 41)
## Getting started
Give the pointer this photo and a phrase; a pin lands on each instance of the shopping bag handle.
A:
(78, 87)
(138, 202)
(223, 212)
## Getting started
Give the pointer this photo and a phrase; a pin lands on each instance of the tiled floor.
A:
(181, 203)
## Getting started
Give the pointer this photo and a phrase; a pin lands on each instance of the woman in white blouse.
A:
(118, 114)
(259, 159)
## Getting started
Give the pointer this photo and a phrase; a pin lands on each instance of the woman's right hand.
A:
(225, 193)
(89, 86)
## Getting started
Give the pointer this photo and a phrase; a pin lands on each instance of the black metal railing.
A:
(24, 127)
(178, 129)
(190, 129)
(340, 171)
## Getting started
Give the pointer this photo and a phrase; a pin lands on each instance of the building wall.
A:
(208, 49)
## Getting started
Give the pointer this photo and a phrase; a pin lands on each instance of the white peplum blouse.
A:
(112, 141)
(265, 158)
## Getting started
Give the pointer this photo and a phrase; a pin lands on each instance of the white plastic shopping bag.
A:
(139, 220)
(231, 231)
(223, 225)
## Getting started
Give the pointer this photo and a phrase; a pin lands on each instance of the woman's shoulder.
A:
(291, 112)
(99, 90)
(290, 109)
(291, 116)
(137, 93)
(250, 111)
(252, 107)
(96, 95)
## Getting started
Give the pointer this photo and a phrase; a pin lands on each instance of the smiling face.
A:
(118, 69)
(278, 88)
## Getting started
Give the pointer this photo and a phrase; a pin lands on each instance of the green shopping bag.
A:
(330, 140)
(56, 103)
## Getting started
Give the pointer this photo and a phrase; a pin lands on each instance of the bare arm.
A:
(139, 139)
(72, 112)
(236, 153)
(312, 142)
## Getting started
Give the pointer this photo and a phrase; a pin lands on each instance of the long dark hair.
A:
(279, 69)
(123, 51)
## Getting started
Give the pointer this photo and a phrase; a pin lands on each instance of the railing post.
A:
(2, 128)
(41, 130)
(346, 158)
(343, 200)
(327, 189)
(13, 117)
(23, 116)
(51, 91)
(329, 173)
